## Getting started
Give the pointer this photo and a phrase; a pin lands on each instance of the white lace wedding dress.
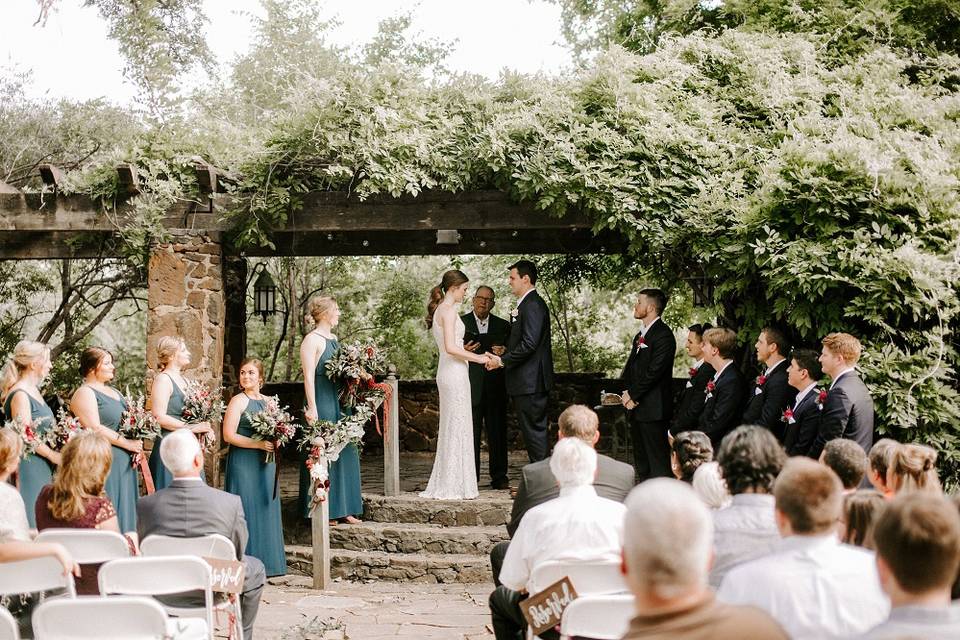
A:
(454, 476)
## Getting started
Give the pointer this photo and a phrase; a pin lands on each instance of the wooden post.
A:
(320, 526)
(391, 439)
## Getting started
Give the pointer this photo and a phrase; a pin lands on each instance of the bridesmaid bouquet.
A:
(63, 430)
(137, 423)
(28, 435)
(200, 404)
(273, 424)
(354, 366)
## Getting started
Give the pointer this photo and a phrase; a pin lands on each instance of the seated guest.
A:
(666, 556)
(189, 508)
(77, 500)
(813, 585)
(688, 451)
(847, 460)
(860, 512)
(918, 555)
(879, 464)
(689, 406)
(750, 459)
(537, 484)
(13, 514)
(770, 394)
(710, 486)
(724, 393)
(913, 467)
(578, 525)
(802, 421)
(848, 409)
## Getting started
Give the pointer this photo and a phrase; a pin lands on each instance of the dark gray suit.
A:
(537, 485)
(847, 413)
(189, 508)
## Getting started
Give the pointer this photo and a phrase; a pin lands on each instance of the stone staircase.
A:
(411, 539)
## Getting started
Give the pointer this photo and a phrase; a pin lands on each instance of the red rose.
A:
(711, 386)
(822, 397)
(692, 372)
(787, 415)
(761, 380)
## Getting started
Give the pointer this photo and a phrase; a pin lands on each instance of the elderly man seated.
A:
(576, 526)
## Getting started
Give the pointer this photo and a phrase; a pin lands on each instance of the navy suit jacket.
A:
(529, 356)
(799, 436)
(648, 374)
(687, 410)
(766, 408)
(723, 408)
(847, 413)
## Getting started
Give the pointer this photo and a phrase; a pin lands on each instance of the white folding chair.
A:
(593, 577)
(9, 630)
(88, 546)
(36, 574)
(213, 545)
(597, 617)
(163, 576)
(97, 618)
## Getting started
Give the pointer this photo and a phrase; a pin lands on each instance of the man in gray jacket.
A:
(189, 508)
(537, 485)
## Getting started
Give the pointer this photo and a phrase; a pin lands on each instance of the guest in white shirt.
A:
(813, 585)
(576, 526)
(13, 514)
(750, 459)
(710, 486)
(918, 555)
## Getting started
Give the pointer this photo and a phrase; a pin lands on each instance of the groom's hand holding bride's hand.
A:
(493, 362)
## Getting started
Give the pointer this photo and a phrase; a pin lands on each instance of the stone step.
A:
(392, 537)
(394, 567)
(411, 508)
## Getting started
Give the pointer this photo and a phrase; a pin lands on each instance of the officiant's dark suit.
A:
(766, 402)
(847, 413)
(488, 392)
(648, 378)
(529, 364)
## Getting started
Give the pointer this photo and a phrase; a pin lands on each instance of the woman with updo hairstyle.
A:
(861, 509)
(20, 382)
(76, 499)
(100, 408)
(249, 475)
(913, 467)
(689, 450)
(323, 403)
(166, 402)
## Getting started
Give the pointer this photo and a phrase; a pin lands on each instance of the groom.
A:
(529, 359)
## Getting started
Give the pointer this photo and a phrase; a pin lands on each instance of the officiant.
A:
(484, 333)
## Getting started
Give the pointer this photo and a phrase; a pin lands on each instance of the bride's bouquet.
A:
(354, 366)
(28, 435)
(201, 404)
(63, 430)
(273, 424)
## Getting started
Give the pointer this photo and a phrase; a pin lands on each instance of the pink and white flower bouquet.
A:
(273, 424)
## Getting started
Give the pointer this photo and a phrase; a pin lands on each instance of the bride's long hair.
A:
(450, 279)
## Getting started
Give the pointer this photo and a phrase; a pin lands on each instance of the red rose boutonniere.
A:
(821, 399)
(787, 416)
(692, 371)
(711, 387)
(641, 344)
(761, 380)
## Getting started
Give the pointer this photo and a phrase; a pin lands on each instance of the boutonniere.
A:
(692, 371)
(787, 416)
(711, 387)
(821, 399)
(761, 380)
(514, 313)
(641, 343)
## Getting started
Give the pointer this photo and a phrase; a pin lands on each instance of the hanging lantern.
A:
(702, 287)
(264, 295)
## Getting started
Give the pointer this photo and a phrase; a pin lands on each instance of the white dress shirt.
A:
(814, 586)
(646, 327)
(482, 325)
(803, 394)
(743, 531)
(577, 525)
(13, 515)
(717, 375)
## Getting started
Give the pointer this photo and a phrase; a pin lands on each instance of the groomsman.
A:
(485, 333)
(648, 377)
(687, 410)
(802, 420)
(848, 408)
(770, 393)
(723, 395)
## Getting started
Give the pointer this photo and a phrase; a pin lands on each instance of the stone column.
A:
(185, 297)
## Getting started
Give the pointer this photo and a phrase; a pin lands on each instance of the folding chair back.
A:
(597, 617)
(94, 618)
(36, 574)
(9, 630)
(213, 545)
(88, 546)
(588, 577)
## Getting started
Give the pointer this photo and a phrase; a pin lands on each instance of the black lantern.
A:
(264, 294)
(702, 287)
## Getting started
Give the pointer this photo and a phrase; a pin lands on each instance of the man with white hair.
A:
(576, 526)
(189, 508)
(667, 552)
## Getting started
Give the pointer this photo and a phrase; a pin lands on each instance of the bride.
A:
(454, 475)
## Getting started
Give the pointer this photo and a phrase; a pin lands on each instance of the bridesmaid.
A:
(323, 403)
(250, 476)
(100, 407)
(20, 391)
(166, 402)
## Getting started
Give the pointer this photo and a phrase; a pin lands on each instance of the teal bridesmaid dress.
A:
(251, 478)
(161, 477)
(35, 471)
(123, 483)
(344, 494)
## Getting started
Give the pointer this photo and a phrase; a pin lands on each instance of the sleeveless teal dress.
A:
(161, 477)
(344, 494)
(123, 483)
(251, 478)
(35, 471)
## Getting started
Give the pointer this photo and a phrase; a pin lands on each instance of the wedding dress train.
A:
(454, 476)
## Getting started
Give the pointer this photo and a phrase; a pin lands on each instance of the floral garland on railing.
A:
(324, 440)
